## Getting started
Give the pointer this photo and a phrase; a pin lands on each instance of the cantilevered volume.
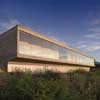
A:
(22, 49)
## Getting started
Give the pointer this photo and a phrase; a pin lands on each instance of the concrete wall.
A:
(9, 50)
(8, 46)
(35, 50)
(35, 67)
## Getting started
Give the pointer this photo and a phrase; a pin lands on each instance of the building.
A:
(20, 48)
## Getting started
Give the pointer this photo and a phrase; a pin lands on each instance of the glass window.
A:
(43, 48)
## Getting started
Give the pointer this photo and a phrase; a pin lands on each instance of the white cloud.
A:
(81, 46)
(89, 46)
(95, 22)
(94, 25)
(95, 29)
(8, 24)
(92, 39)
(93, 36)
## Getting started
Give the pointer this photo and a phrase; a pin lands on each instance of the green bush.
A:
(77, 85)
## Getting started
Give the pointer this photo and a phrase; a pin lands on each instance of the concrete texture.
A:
(11, 47)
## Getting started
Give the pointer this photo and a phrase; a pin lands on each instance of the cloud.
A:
(94, 25)
(91, 41)
(95, 22)
(8, 24)
(89, 46)
(94, 29)
(93, 36)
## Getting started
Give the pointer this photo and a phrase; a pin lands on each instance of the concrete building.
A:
(20, 48)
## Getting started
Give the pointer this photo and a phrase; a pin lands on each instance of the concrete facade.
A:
(23, 49)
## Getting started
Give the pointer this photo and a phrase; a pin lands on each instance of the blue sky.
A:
(75, 22)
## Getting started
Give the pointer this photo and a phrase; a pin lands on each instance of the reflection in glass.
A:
(35, 46)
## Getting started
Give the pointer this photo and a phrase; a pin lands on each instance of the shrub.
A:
(77, 85)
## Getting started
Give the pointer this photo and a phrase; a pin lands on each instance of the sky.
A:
(74, 22)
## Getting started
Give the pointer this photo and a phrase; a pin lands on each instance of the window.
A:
(51, 50)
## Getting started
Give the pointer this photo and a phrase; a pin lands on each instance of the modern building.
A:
(23, 49)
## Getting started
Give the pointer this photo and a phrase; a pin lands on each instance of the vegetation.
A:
(77, 85)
